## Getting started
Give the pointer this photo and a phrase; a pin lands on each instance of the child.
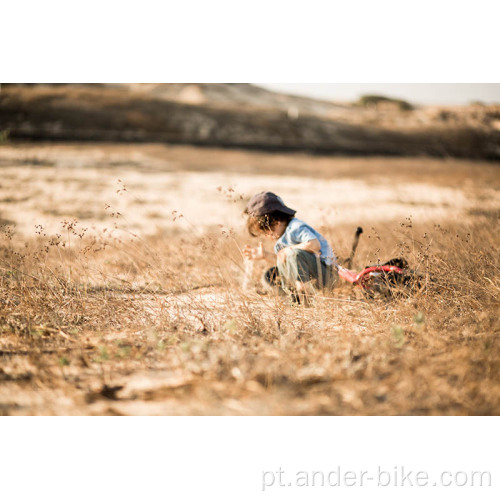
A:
(304, 259)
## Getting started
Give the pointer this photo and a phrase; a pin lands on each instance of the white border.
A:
(130, 458)
(262, 40)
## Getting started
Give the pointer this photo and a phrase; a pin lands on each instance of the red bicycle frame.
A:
(362, 278)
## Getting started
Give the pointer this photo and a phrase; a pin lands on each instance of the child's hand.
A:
(253, 253)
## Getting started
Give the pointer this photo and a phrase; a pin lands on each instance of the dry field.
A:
(121, 285)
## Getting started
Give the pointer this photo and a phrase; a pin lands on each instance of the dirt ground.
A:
(121, 279)
(46, 184)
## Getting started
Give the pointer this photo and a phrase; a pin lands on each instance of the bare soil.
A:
(121, 284)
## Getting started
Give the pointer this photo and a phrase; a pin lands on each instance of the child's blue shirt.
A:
(297, 232)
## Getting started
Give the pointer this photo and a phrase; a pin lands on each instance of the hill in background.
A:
(245, 116)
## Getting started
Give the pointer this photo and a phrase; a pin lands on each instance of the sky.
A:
(416, 93)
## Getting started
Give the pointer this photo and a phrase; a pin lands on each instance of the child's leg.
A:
(271, 280)
(300, 267)
(271, 277)
(300, 272)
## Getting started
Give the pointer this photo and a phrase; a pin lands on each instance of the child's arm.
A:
(305, 239)
(258, 253)
(312, 246)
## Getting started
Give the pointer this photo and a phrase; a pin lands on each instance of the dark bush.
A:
(375, 100)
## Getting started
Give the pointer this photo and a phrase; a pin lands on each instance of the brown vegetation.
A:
(107, 320)
(241, 115)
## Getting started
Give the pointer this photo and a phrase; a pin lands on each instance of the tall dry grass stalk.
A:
(113, 323)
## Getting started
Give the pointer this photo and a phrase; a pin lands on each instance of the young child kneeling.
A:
(305, 261)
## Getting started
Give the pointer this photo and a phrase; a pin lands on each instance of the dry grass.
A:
(104, 325)
(112, 323)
